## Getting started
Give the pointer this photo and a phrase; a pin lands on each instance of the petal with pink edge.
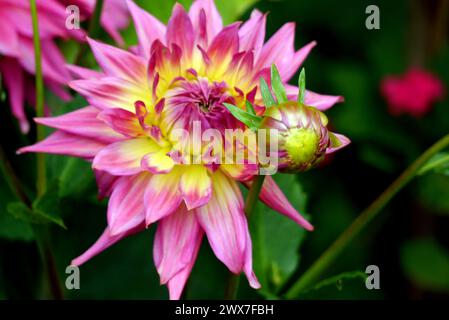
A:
(105, 183)
(162, 196)
(119, 63)
(68, 144)
(195, 186)
(122, 121)
(105, 241)
(180, 30)
(252, 33)
(83, 122)
(124, 157)
(212, 19)
(175, 243)
(148, 28)
(319, 101)
(125, 207)
(224, 222)
(338, 141)
(273, 197)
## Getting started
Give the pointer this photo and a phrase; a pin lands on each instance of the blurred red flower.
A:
(414, 92)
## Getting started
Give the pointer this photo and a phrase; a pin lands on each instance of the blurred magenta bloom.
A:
(414, 92)
(114, 15)
(179, 75)
(17, 50)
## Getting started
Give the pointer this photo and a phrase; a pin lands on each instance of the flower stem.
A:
(330, 255)
(233, 282)
(41, 174)
(42, 233)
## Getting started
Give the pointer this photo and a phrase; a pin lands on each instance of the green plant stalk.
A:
(233, 281)
(93, 30)
(330, 255)
(41, 172)
(42, 233)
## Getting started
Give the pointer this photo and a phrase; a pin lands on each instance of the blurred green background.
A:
(408, 241)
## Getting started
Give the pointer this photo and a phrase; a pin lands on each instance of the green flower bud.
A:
(303, 138)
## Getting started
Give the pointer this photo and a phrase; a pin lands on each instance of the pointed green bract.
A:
(267, 98)
(250, 108)
(250, 120)
(277, 86)
(302, 86)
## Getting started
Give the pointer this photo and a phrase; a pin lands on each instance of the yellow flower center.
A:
(301, 145)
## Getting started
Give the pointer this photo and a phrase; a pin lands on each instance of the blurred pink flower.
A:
(17, 50)
(414, 92)
(114, 15)
(179, 73)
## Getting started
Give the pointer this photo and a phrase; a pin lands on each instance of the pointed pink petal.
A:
(125, 207)
(176, 243)
(162, 196)
(64, 143)
(105, 241)
(213, 22)
(320, 101)
(224, 222)
(82, 122)
(110, 92)
(123, 157)
(180, 30)
(225, 44)
(279, 50)
(289, 69)
(148, 29)
(13, 78)
(343, 142)
(252, 33)
(119, 63)
(83, 73)
(122, 121)
(273, 197)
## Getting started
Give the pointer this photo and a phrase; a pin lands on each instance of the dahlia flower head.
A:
(179, 74)
(17, 65)
(412, 93)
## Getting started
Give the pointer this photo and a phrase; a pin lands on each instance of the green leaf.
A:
(277, 85)
(251, 121)
(47, 206)
(250, 108)
(342, 286)
(232, 10)
(12, 226)
(276, 239)
(267, 98)
(302, 86)
(426, 263)
(432, 192)
(438, 163)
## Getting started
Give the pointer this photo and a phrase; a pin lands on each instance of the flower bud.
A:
(303, 139)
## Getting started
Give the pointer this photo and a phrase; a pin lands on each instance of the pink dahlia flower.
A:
(413, 93)
(17, 50)
(181, 74)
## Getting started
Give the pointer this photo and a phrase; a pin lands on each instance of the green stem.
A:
(233, 282)
(41, 172)
(331, 254)
(93, 30)
(42, 233)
